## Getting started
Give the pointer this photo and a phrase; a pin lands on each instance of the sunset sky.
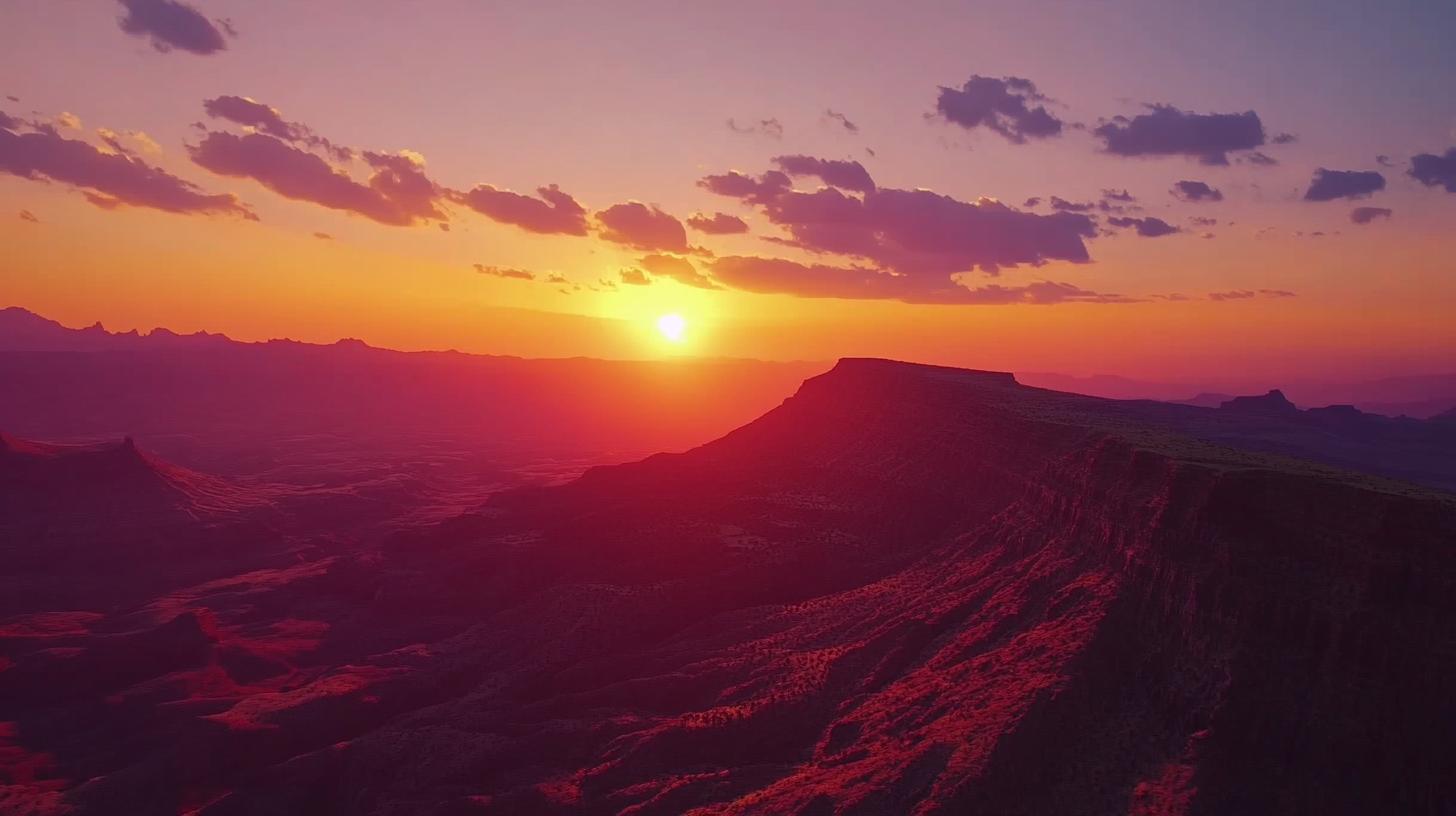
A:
(1138, 188)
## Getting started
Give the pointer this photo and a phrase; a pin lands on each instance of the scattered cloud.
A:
(553, 213)
(1284, 138)
(639, 226)
(719, 223)
(398, 193)
(504, 272)
(323, 236)
(763, 127)
(1433, 170)
(242, 110)
(1259, 158)
(1031, 202)
(917, 233)
(1201, 221)
(1195, 191)
(1118, 195)
(1365, 215)
(1008, 106)
(1148, 227)
(1168, 131)
(846, 175)
(779, 276)
(679, 269)
(1384, 160)
(172, 24)
(1329, 185)
(1063, 205)
(1249, 294)
(841, 120)
(107, 179)
(27, 215)
(634, 277)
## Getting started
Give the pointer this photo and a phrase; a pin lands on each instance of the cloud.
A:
(1248, 294)
(1384, 160)
(846, 175)
(1200, 221)
(1364, 215)
(634, 277)
(107, 179)
(679, 269)
(1433, 170)
(27, 215)
(1005, 106)
(841, 120)
(1063, 205)
(764, 127)
(637, 225)
(249, 112)
(1329, 185)
(1031, 202)
(397, 194)
(718, 223)
(1148, 227)
(504, 272)
(1284, 138)
(555, 278)
(1118, 195)
(914, 232)
(1259, 158)
(1168, 131)
(779, 276)
(1195, 191)
(554, 213)
(171, 24)
(323, 236)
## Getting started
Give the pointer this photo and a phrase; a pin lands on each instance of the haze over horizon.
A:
(1127, 189)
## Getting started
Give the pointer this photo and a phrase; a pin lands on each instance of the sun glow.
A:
(672, 327)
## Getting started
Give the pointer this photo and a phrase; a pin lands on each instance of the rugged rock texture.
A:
(906, 590)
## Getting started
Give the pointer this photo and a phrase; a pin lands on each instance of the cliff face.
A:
(906, 590)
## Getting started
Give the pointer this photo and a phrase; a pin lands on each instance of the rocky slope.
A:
(906, 590)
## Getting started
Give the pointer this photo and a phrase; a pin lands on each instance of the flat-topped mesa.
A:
(1273, 402)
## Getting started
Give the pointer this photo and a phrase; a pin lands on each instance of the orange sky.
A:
(582, 102)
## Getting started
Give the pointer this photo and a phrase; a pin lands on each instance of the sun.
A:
(672, 327)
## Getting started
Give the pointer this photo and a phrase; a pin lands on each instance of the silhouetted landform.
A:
(907, 589)
(1419, 397)
(300, 411)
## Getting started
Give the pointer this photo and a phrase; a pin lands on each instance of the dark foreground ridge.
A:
(907, 589)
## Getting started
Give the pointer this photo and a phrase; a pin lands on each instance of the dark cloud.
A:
(1148, 227)
(1168, 131)
(1063, 205)
(778, 276)
(504, 272)
(637, 225)
(634, 277)
(171, 24)
(718, 223)
(1329, 185)
(27, 215)
(1006, 106)
(1031, 202)
(397, 194)
(1118, 195)
(679, 269)
(1195, 191)
(1200, 221)
(846, 175)
(242, 110)
(913, 232)
(763, 127)
(108, 180)
(1435, 171)
(1259, 158)
(841, 120)
(554, 213)
(1384, 160)
(1284, 138)
(1364, 215)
